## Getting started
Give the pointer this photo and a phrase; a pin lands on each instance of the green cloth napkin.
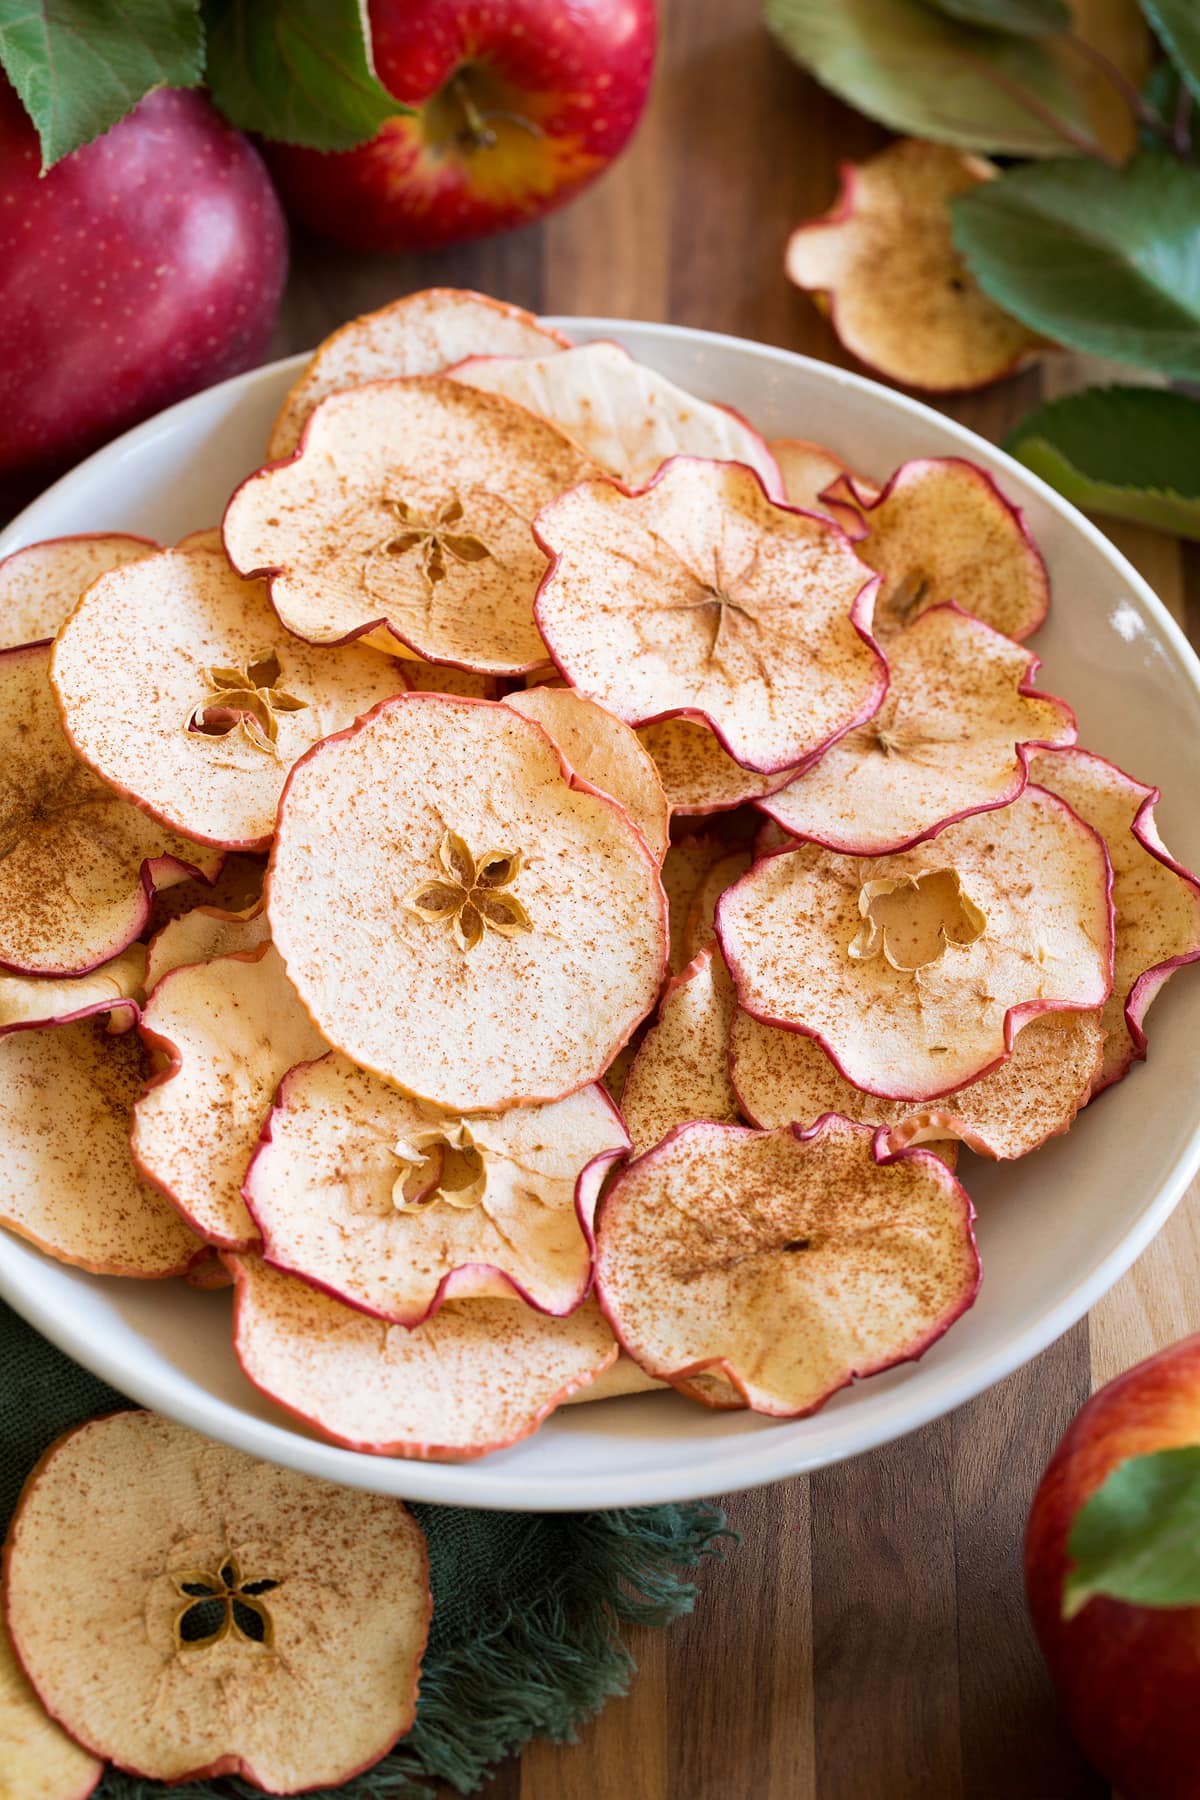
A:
(527, 1607)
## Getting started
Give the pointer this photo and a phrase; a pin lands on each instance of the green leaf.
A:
(903, 64)
(1176, 24)
(1137, 1538)
(1130, 452)
(80, 65)
(298, 71)
(1023, 18)
(1105, 260)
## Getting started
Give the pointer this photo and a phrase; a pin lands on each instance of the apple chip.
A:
(698, 773)
(230, 1029)
(916, 971)
(406, 517)
(700, 597)
(208, 1273)
(415, 335)
(784, 1078)
(238, 887)
(179, 688)
(1156, 900)
(807, 469)
(942, 530)
(618, 1381)
(115, 988)
(395, 1207)
(444, 678)
(791, 1263)
(953, 736)
(701, 928)
(200, 935)
(899, 295)
(38, 1761)
(604, 753)
(187, 1612)
(681, 1071)
(207, 538)
(78, 864)
(489, 934)
(40, 585)
(685, 867)
(628, 418)
(477, 1376)
(69, 1184)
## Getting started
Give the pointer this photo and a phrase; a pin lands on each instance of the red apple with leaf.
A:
(1112, 1573)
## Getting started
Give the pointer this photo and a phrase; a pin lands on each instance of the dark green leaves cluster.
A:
(1130, 452)
(1137, 1538)
(299, 71)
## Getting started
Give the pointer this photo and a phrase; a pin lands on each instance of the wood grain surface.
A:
(868, 1640)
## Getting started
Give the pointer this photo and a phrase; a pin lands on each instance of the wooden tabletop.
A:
(868, 1641)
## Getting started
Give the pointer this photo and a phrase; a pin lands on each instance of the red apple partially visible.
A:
(520, 103)
(1127, 1676)
(140, 268)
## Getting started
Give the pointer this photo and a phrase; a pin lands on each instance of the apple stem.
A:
(476, 132)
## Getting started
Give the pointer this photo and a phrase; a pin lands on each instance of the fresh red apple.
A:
(1127, 1676)
(142, 267)
(519, 104)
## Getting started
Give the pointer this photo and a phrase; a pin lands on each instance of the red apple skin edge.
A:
(144, 266)
(521, 104)
(1127, 1677)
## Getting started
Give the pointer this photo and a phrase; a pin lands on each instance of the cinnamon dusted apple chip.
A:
(415, 335)
(209, 1273)
(115, 988)
(916, 971)
(444, 678)
(807, 469)
(200, 935)
(237, 888)
(685, 867)
(187, 1611)
(230, 1029)
(942, 530)
(783, 1078)
(41, 584)
(627, 417)
(605, 753)
(78, 864)
(207, 538)
(681, 1070)
(38, 1761)
(899, 295)
(618, 1381)
(395, 1207)
(477, 1376)
(789, 1262)
(69, 1184)
(489, 934)
(701, 928)
(178, 686)
(406, 516)
(1156, 900)
(700, 597)
(698, 773)
(953, 736)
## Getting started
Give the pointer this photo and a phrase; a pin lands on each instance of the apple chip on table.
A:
(539, 913)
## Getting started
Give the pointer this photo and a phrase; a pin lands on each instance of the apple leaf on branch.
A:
(1137, 1538)
(1023, 18)
(1129, 452)
(1177, 25)
(297, 71)
(1100, 259)
(79, 66)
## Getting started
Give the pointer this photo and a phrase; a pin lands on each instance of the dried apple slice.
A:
(69, 1183)
(395, 1207)
(953, 736)
(237, 888)
(808, 469)
(1156, 900)
(58, 821)
(627, 417)
(41, 584)
(618, 1382)
(942, 530)
(115, 988)
(207, 538)
(415, 335)
(605, 754)
(916, 971)
(898, 293)
(38, 1761)
(681, 1070)
(178, 687)
(700, 597)
(477, 1376)
(406, 516)
(200, 935)
(783, 1078)
(701, 928)
(186, 1611)
(685, 867)
(698, 773)
(791, 1263)
(444, 678)
(230, 1029)
(209, 1273)
(489, 934)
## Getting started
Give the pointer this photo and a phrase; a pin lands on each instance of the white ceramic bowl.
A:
(1055, 1230)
